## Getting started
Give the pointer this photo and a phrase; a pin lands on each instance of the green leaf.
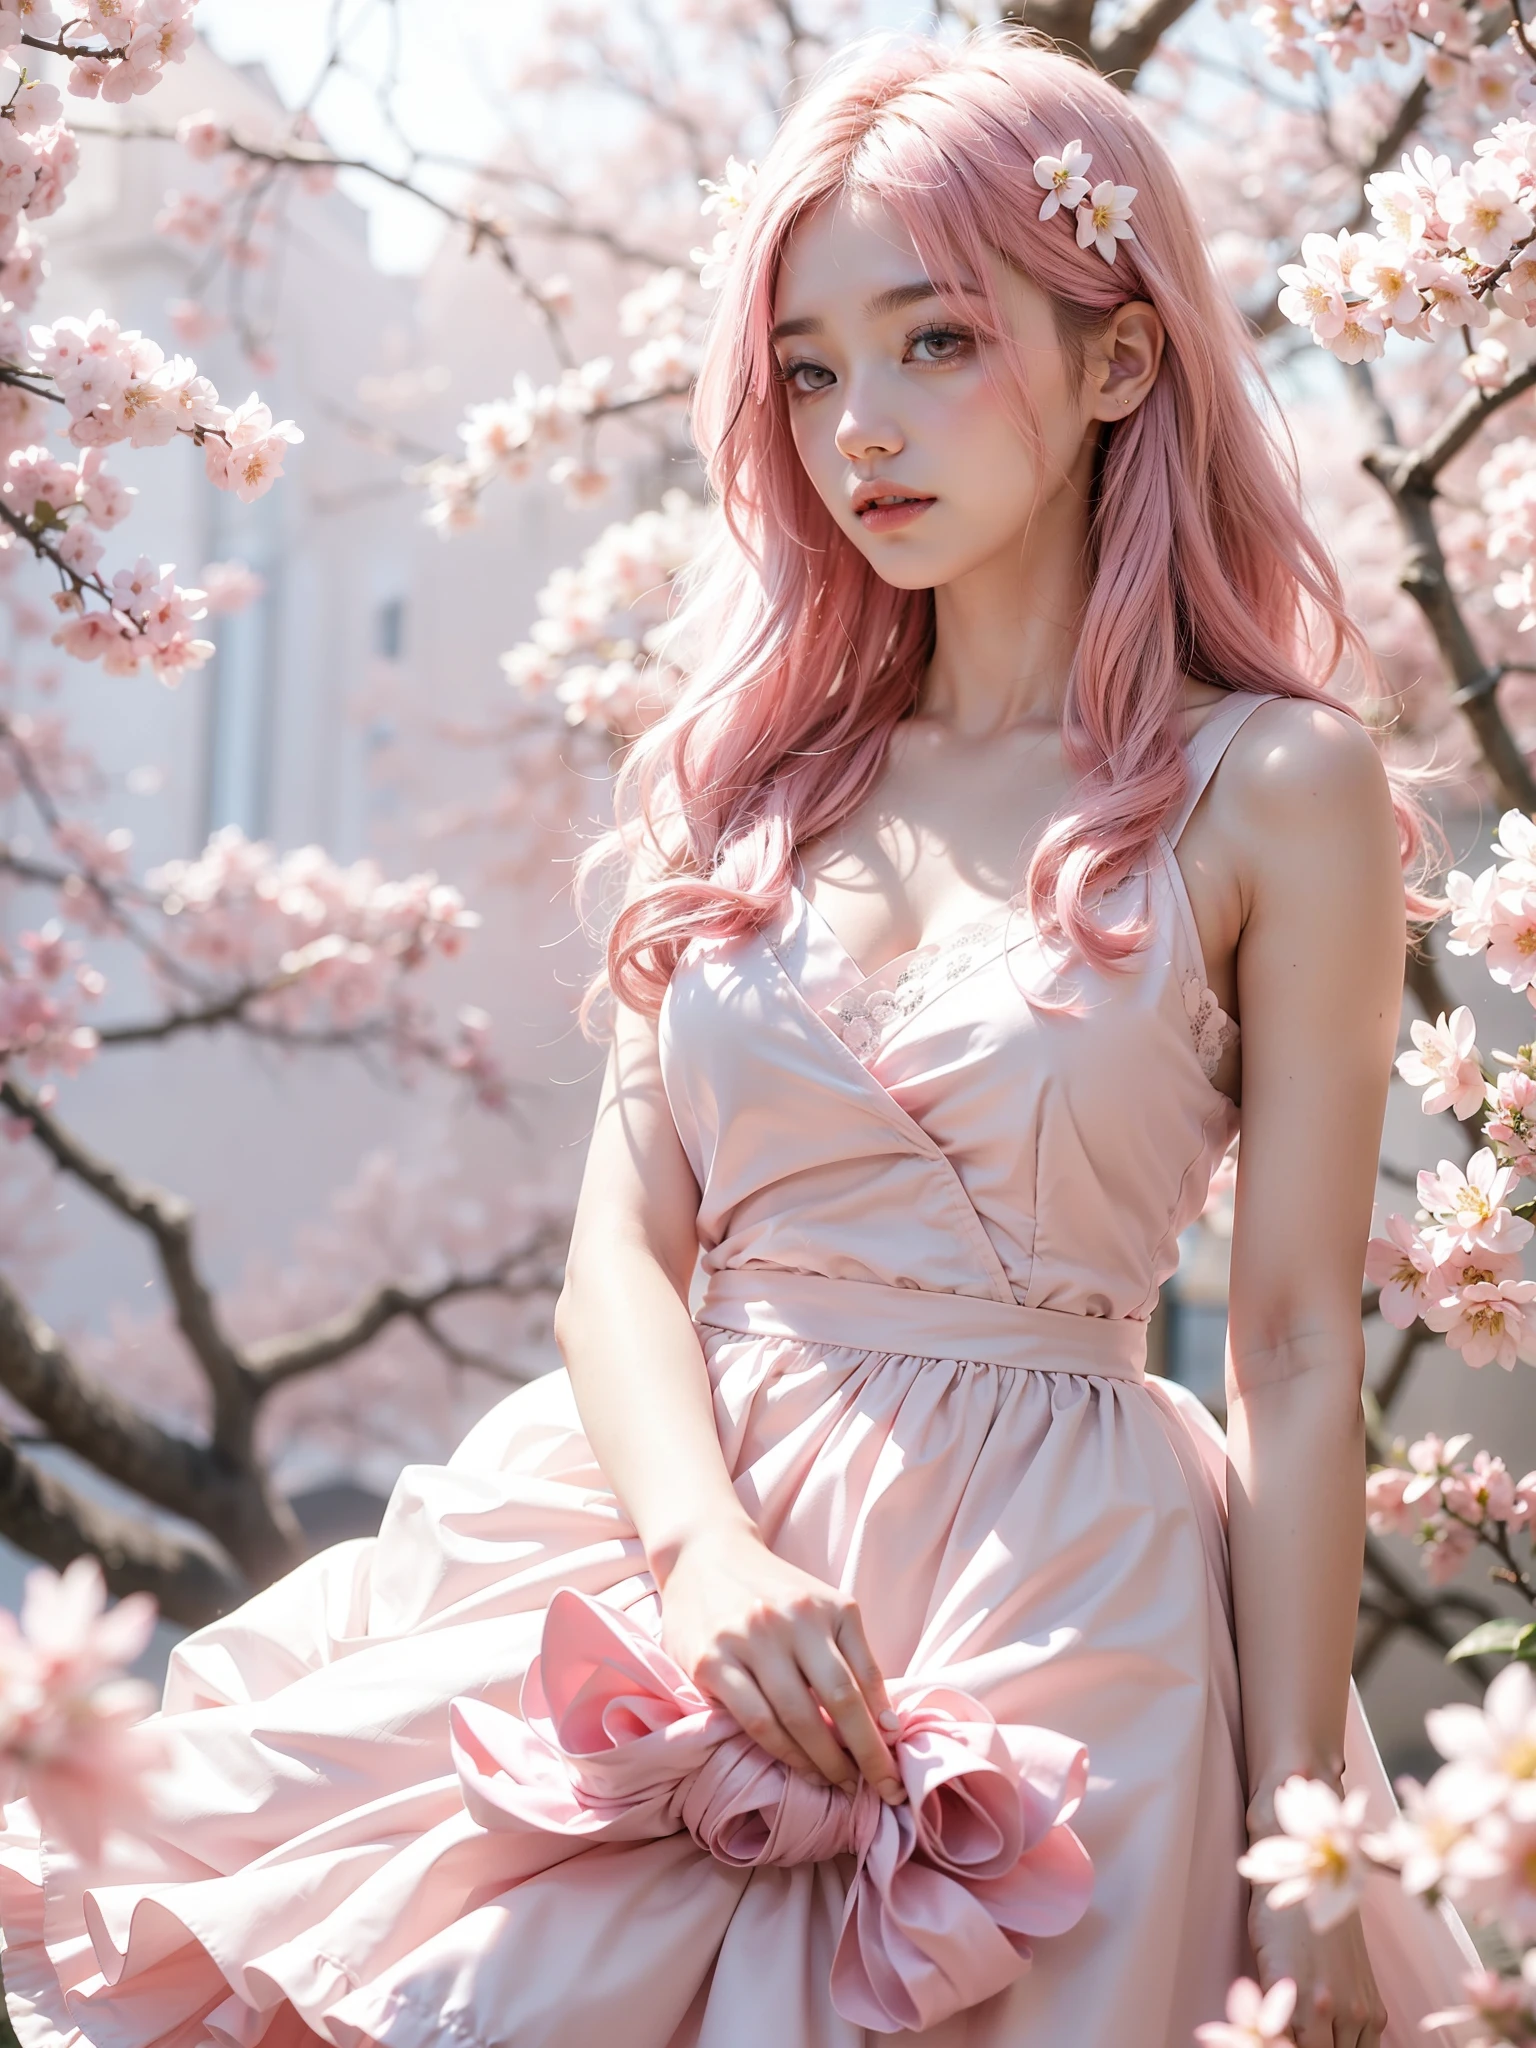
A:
(1498, 1639)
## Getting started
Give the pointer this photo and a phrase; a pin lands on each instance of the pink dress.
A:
(934, 1223)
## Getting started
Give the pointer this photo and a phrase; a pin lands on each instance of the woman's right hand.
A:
(785, 1655)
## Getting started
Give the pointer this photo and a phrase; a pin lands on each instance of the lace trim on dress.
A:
(1209, 1025)
(870, 1013)
(866, 1016)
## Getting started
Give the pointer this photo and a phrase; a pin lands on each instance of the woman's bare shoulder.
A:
(1304, 780)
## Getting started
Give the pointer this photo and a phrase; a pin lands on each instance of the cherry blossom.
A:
(598, 646)
(1474, 909)
(313, 942)
(1448, 1504)
(229, 586)
(1403, 1267)
(1387, 1509)
(202, 135)
(1507, 1894)
(27, 17)
(1104, 219)
(726, 199)
(118, 385)
(1448, 1545)
(247, 457)
(1505, 2004)
(1486, 1491)
(68, 1733)
(1317, 1859)
(1468, 1208)
(42, 990)
(1450, 244)
(1511, 1125)
(473, 1057)
(1489, 1322)
(1493, 1746)
(1064, 179)
(1314, 289)
(1255, 2019)
(1482, 211)
(1445, 1064)
(191, 217)
(505, 438)
(1430, 1461)
(1515, 846)
(1487, 367)
(1432, 1841)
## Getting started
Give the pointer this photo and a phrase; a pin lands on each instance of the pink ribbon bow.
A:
(617, 1744)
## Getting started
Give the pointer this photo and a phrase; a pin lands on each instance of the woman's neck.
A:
(1006, 631)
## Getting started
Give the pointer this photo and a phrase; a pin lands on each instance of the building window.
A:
(389, 629)
(241, 717)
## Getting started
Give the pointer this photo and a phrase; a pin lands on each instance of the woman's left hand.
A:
(1337, 2002)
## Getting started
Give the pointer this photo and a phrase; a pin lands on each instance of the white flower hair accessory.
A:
(1102, 211)
(727, 199)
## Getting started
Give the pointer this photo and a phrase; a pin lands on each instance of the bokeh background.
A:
(358, 699)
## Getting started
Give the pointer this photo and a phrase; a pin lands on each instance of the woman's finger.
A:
(783, 1685)
(1313, 2023)
(739, 1694)
(854, 1644)
(835, 1686)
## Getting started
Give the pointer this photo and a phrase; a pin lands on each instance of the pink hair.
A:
(1201, 561)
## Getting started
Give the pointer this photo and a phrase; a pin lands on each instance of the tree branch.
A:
(1411, 489)
(167, 1221)
(231, 1501)
(1067, 22)
(42, 1515)
(1400, 1603)
(469, 1356)
(1398, 1367)
(1121, 54)
(1416, 469)
(284, 1358)
(92, 1420)
(1410, 113)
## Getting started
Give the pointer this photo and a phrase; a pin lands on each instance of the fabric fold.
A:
(949, 1890)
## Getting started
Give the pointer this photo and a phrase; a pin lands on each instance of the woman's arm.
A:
(1319, 976)
(767, 1640)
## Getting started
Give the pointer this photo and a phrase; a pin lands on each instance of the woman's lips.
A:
(883, 518)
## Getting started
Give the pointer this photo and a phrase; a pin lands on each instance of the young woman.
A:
(1004, 788)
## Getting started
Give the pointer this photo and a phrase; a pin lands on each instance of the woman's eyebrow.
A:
(889, 301)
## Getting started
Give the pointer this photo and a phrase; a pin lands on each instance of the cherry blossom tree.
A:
(294, 951)
(1367, 173)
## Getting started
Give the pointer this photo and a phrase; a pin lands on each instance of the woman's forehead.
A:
(856, 250)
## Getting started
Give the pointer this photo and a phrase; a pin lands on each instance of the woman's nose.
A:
(861, 435)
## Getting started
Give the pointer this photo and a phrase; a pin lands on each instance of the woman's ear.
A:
(1123, 364)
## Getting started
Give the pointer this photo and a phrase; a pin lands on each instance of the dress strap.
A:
(1205, 750)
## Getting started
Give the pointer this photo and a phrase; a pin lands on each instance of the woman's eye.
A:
(944, 344)
(792, 374)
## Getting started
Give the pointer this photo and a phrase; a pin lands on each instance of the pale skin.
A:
(1291, 863)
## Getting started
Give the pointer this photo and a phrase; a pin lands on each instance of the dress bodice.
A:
(931, 1127)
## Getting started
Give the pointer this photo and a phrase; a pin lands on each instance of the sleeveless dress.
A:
(934, 1221)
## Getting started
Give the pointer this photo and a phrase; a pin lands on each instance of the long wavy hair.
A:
(1201, 561)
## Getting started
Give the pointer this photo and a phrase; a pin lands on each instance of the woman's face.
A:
(889, 400)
